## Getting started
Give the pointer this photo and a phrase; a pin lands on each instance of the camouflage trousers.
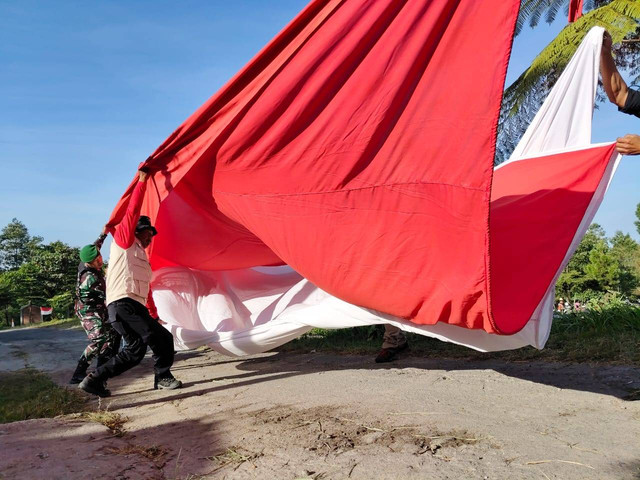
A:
(393, 337)
(103, 339)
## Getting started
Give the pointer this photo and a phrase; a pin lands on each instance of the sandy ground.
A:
(323, 416)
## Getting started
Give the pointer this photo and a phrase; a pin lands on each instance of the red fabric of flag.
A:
(358, 148)
(575, 10)
(537, 206)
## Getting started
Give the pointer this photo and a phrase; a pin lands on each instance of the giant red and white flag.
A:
(357, 148)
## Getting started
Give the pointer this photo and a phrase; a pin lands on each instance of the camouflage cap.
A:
(89, 253)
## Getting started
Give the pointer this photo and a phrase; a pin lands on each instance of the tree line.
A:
(32, 272)
(602, 270)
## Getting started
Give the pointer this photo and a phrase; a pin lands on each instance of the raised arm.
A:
(125, 233)
(613, 82)
(98, 243)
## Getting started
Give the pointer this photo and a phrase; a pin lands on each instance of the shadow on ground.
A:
(74, 448)
(617, 381)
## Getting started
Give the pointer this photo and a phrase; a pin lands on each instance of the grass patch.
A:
(233, 456)
(610, 335)
(113, 421)
(28, 393)
(154, 453)
(60, 323)
(57, 323)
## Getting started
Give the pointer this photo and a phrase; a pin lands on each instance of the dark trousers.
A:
(131, 319)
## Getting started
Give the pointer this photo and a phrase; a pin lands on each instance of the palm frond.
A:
(554, 8)
(523, 98)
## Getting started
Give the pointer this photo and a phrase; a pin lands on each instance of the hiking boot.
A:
(94, 386)
(80, 372)
(389, 354)
(104, 385)
(167, 383)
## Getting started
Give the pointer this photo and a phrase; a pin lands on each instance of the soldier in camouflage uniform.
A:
(92, 311)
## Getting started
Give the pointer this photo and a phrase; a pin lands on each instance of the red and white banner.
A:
(357, 149)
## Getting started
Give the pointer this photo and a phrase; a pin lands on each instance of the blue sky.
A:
(90, 89)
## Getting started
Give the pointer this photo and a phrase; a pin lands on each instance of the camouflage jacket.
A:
(90, 292)
(91, 289)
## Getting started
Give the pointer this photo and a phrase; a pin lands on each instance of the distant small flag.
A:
(575, 10)
(46, 310)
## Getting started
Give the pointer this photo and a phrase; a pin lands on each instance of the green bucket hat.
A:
(89, 253)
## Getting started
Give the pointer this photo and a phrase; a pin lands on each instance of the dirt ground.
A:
(323, 416)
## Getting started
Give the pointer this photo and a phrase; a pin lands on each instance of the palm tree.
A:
(523, 98)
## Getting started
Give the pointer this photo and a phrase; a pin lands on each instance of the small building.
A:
(30, 314)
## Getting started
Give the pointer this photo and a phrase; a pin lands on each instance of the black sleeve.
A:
(632, 105)
(98, 243)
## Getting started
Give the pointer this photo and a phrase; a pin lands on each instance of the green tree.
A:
(35, 273)
(602, 265)
(523, 98)
(626, 252)
(573, 281)
(602, 273)
(62, 305)
(26, 285)
(637, 222)
(16, 245)
(6, 298)
(57, 266)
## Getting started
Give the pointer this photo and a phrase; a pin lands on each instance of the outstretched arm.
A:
(125, 233)
(613, 82)
(98, 243)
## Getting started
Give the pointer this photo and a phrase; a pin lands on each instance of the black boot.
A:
(389, 354)
(169, 383)
(94, 386)
(103, 358)
(81, 371)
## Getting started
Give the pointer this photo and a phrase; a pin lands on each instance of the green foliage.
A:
(6, 297)
(601, 265)
(60, 322)
(16, 245)
(637, 222)
(523, 98)
(36, 273)
(602, 271)
(57, 265)
(619, 17)
(62, 305)
(626, 252)
(26, 284)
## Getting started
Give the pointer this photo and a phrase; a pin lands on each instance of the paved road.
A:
(49, 349)
(318, 415)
